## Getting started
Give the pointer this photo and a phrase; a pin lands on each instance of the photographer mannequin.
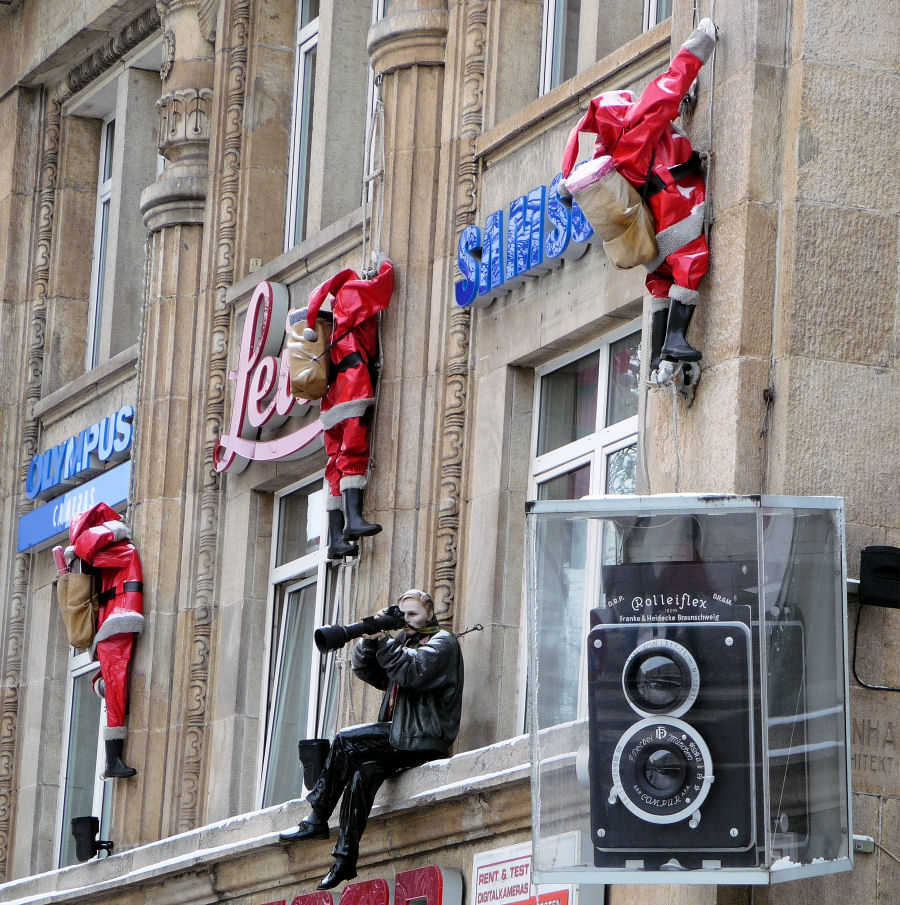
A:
(420, 670)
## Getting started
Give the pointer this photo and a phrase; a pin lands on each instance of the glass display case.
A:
(688, 688)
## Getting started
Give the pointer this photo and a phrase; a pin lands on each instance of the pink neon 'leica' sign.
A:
(262, 393)
(437, 886)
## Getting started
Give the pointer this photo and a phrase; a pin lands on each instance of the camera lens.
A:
(663, 772)
(660, 677)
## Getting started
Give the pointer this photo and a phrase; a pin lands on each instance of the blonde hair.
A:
(415, 594)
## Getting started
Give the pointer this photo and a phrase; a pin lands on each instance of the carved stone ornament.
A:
(168, 53)
(184, 116)
(207, 13)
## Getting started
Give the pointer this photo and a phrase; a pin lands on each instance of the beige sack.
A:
(619, 217)
(308, 360)
(78, 605)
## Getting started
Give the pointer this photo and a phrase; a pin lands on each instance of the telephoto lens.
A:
(331, 637)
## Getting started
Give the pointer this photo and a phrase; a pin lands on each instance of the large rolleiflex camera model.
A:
(672, 765)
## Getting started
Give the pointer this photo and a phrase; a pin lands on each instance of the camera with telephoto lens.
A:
(331, 637)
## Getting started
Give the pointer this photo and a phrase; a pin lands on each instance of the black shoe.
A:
(338, 548)
(676, 347)
(354, 523)
(658, 323)
(308, 829)
(340, 871)
(116, 768)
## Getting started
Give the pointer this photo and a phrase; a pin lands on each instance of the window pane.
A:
(572, 485)
(309, 10)
(108, 143)
(568, 403)
(565, 41)
(621, 467)
(81, 762)
(624, 379)
(304, 126)
(290, 698)
(299, 525)
(663, 11)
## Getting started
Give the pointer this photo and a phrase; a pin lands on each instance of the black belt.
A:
(134, 587)
(656, 184)
(347, 362)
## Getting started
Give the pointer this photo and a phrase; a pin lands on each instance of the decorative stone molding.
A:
(207, 13)
(130, 37)
(184, 117)
(409, 38)
(168, 54)
(457, 374)
(194, 742)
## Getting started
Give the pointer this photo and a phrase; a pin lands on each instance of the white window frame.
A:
(101, 242)
(81, 664)
(553, 9)
(591, 450)
(307, 44)
(285, 578)
(652, 16)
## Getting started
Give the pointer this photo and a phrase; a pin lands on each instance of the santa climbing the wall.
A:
(100, 539)
(657, 160)
(350, 395)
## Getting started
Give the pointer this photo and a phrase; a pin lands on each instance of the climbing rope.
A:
(373, 180)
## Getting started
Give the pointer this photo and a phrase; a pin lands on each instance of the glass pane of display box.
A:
(687, 689)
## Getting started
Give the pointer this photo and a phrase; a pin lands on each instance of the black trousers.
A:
(360, 760)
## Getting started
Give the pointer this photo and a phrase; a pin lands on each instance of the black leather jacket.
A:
(428, 673)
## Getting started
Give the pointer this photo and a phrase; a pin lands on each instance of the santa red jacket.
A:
(354, 337)
(101, 539)
(641, 138)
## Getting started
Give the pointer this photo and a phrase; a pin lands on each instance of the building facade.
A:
(158, 162)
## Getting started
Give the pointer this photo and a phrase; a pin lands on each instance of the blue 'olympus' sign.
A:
(496, 259)
(106, 441)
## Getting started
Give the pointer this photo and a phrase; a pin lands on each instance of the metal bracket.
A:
(863, 844)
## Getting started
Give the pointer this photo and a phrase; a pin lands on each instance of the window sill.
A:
(89, 386)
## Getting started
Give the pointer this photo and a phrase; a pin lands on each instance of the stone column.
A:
(160, 743)
(407, 49)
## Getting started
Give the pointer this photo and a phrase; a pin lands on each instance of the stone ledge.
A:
(89, 386)
(194, 857)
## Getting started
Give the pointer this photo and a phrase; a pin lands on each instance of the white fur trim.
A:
(119, 530)
(701, 42)
(118, 624)
(677, 236)
(333, 502)
(355, 408)
(684, 295)
(658, 304)
(112, 732)
(353, 482)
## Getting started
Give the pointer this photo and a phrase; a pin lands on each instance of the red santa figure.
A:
(102, 540)
(351, 392)
(658, 160)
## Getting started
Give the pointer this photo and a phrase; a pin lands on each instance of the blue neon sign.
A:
(494, 260)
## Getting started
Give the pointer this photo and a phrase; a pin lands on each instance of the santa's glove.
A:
(702, 40)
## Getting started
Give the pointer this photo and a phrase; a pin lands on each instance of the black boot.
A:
(338, 548)
(313, 752)
(354, 523)
(658, 322)
(676, 346)
(116, 768)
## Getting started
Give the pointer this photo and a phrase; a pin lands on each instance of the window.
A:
(301, 689)
(82, 791)
(586, 422)
(123, 105)
(656, 11)
(302, 123)
(559, 46)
